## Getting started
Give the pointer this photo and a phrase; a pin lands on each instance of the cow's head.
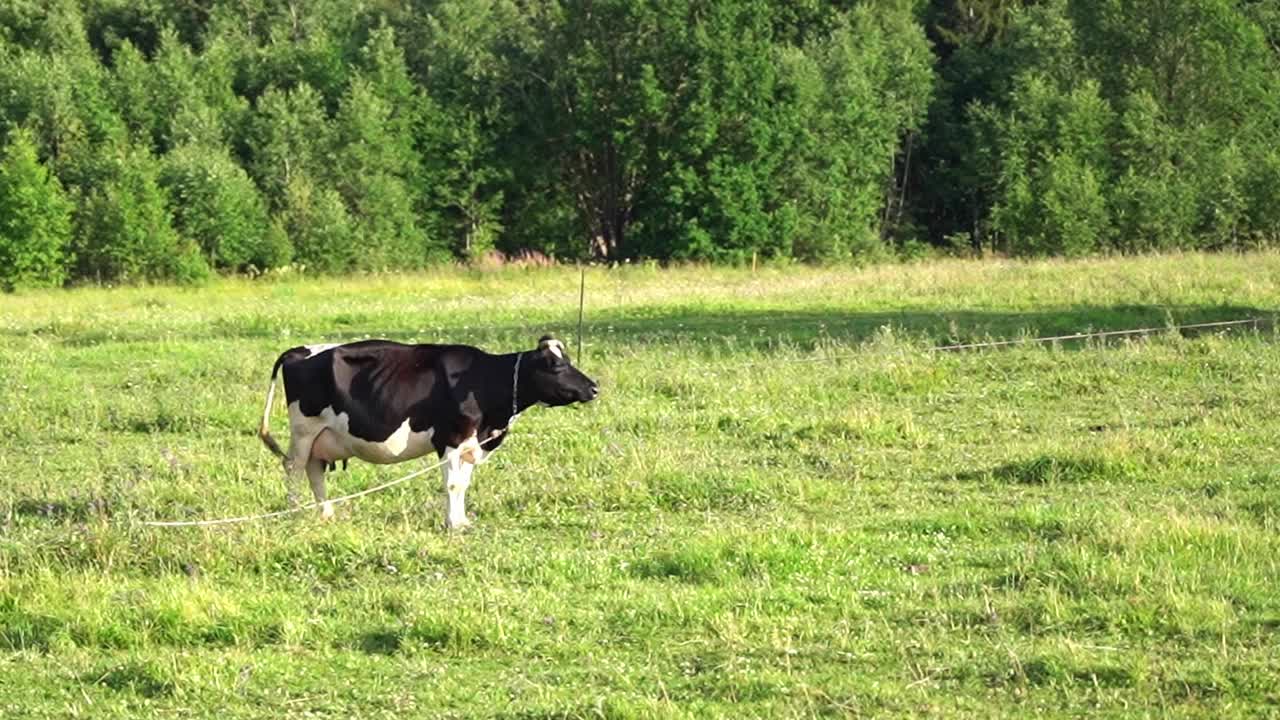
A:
(553, 380)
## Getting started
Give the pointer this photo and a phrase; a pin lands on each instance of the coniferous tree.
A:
(290, 135)
(372, 173)
(466, 77)
(35, 219)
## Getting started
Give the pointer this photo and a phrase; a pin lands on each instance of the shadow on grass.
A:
(436, 634)
(1050, 470)
(1054, 671)
(137, 677)
(68, 510)
(697, 325)
(379, 642)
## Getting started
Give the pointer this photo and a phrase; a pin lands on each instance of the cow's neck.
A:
(521, 392)
(516, 395)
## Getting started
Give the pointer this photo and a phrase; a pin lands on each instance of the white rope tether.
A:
(292, 510)
(312, 505)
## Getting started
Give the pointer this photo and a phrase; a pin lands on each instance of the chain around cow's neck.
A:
(515, 386)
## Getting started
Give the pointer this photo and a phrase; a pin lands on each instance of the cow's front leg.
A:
(315, 473)
(457, 478)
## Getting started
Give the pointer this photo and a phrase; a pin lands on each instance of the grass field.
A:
(783, 505)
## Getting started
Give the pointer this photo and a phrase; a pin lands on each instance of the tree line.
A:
(168, 139)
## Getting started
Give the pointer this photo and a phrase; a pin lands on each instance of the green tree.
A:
(125, 231)
(1206, 70)
(1154, 200)
(1193, 84)
(60, 93)
(1203, 61)
(702, 130)
(318, 225)
(466, 75)
(290, 134)
(216, 115)
(372, 170)
(129, 86)
(1262, 187)
(860, 90)
(579, 80)
(288, 44)
(462, 181)
(174, 84)
(1053, 169)
(664, 125)
(35, 219)
(216, 205)
(735, 132)
(685, 129)
(150, 96)
(954, 174)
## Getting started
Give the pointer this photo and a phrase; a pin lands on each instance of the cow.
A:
(386, 402)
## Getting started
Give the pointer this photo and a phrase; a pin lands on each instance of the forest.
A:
(166, 140)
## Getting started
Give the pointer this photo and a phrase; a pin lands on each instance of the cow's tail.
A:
(264, 430)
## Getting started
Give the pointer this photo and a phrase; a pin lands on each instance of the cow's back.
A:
(377, 384)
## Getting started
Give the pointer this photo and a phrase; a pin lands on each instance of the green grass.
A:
(783, 505)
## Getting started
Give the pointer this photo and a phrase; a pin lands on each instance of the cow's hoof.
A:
(326, 511)
(458, 527)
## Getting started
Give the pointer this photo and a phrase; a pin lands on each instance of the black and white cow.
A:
(386, 402)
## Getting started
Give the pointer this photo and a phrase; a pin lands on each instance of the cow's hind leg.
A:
(296, 463)
(315, 473)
